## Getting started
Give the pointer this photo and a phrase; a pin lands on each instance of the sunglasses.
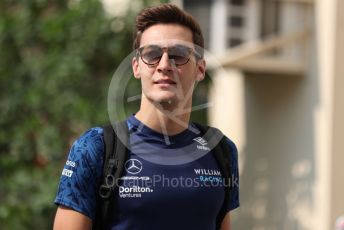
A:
(180, 54)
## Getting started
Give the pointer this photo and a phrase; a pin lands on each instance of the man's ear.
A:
(136, 67)
(201, 67)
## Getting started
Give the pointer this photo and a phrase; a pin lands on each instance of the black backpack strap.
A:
(115, 154)
(222, 154)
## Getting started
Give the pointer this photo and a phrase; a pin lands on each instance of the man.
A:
(162, 187)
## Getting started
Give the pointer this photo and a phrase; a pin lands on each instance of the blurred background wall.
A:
(280, 98)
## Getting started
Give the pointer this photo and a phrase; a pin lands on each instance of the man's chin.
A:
(167, 101)
(164, 99)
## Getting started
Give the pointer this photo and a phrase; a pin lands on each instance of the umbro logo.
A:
(200, 140)
(203, 143)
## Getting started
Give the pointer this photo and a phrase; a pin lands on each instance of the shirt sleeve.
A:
(81, 175)
(234, 185)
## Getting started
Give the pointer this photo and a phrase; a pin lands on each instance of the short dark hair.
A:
(166, 14)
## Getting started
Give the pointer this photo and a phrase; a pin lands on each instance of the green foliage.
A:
(56, 62)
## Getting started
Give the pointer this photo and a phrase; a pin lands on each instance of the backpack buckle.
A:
(104, 191)
(106, 188)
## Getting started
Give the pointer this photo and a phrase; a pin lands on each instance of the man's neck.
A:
(164, 118)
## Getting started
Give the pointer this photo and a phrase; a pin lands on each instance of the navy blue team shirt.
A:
(162, 187)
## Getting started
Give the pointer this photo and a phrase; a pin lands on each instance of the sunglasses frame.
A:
(165, 49)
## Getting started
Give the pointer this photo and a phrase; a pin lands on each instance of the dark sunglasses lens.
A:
(151, 54)
(180, 54)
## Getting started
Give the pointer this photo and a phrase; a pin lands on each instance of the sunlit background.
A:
(278, 95)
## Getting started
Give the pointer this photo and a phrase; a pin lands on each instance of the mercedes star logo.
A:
(133, 166)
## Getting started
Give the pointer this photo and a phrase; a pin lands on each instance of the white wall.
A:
(325, 46)
(337, 167)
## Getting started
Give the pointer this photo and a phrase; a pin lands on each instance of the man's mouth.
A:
(165, 82)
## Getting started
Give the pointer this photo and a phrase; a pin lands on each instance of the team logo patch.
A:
(133, 166)
(203, 143)
(200, 140)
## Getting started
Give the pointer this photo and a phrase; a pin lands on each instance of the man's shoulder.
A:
(90, 136)
(89, 143)
(91, 132)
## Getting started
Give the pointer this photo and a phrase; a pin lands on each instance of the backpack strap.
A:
(222, 154)
(115, 154)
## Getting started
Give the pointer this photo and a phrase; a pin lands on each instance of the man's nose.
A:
(165, 64)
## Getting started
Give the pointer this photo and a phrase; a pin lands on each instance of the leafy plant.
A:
(56, 62)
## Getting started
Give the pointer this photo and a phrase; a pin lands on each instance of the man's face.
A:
(168, 79)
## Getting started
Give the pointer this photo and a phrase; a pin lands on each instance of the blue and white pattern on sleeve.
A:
(80, 177)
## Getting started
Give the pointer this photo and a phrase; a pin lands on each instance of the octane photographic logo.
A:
(118, 101)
